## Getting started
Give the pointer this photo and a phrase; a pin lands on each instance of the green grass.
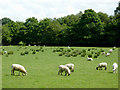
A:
(42, 69)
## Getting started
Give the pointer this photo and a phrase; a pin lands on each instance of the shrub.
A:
(26, 52)
(74, 55)
(54, 50)
(33, 52)
(67, 55)
(89, 49)
(22, 53)
(60, 54)
(83, 50)
(42, 50)
(10, 52)
(101, 50)
(37, 50)
(90, 55)
(95, 56)
(83, 54)
(1, 53)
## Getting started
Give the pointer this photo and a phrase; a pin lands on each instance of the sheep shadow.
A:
(110, 72)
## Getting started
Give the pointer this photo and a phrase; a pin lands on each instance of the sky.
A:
(20, 10)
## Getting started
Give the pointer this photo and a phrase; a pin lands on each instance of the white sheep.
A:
(110, 51)
(5, 52)
(107, 54)
(115, 66)
(114, 47)
(89, 59)
(70, 66)
(17, 67)
(64, 68)
(68, 47)
(104, 64)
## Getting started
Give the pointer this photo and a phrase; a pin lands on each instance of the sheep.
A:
(64, 68)
(17, 67)
(70, 66)
(114, 47)
(5, 52)
(104, 64)
(68, 47)
(115, 66)
(89, 59)
(107, 54)
(110, 51)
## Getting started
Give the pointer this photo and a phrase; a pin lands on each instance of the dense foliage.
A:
(83, 29)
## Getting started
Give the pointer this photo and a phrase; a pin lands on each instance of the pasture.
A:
(42, 65)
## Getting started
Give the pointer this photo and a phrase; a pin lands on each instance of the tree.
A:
(90, 28)
(6, 20)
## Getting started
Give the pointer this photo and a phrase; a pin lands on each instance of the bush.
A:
(74, 55)
(101, 50)
(42, 50)
(84, 51)
(1, 53)
(33, 52)
(67, 55)
(37, 50)
(26, 52)
(83, 54)
(68, 50)
(90, 55)
(95, 56)
(22, 53)
(89, 49)
(10, 52)
(60, 54)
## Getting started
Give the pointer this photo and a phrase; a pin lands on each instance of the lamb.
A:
(64, 68)
(89, 59)
(107, 54)
(70, 66)
(110, 51)
(115, 66)
(5, 52)
(68, 47)
(17, 67)
(104, 64)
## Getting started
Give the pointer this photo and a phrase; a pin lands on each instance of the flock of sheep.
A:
(67, 68)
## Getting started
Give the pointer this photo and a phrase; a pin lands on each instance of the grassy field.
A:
(42, 68)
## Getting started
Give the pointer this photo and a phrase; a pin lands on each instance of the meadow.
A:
(42, 65)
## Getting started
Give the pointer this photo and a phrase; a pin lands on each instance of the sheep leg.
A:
(11, 72)
(65, 73)
(19, 73)
(105, 68)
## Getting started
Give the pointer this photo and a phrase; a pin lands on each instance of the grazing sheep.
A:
(115, 66)
(89, 59)
(110, 51)
(64, 68)
(29, 45)
(114, 47)
(104, 64)
(70, 66)
(5, 52)
(107, 54)
(17, 67)
(68, 47)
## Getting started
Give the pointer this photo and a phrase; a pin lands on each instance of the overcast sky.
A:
(20, 10)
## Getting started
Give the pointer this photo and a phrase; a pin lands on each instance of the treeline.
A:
(83, 29)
